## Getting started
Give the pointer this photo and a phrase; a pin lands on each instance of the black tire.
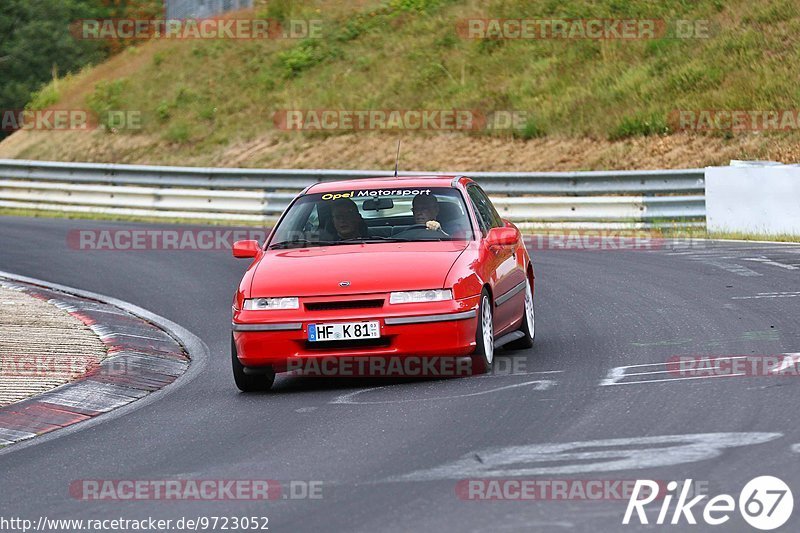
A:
(250, 382)
(528, 328)
(483, 357)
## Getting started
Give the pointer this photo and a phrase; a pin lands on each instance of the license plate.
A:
(344, 331)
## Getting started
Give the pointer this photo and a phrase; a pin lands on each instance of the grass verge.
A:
(217, 96)
(37, 213)
(667, 232)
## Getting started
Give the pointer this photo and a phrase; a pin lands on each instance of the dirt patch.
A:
(445, 152)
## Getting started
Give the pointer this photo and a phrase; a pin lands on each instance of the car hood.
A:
(382, 267)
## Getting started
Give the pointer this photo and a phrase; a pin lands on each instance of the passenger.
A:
(347, 220)
(425, 208)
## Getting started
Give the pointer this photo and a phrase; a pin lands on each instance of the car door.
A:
(503, 271)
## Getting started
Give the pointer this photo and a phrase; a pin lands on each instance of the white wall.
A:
(763, 200)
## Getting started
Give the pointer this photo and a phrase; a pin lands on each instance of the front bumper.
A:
(416, 330)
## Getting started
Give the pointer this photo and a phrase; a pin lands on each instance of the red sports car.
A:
(382, 269)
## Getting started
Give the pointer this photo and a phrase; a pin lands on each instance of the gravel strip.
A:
(41, 346)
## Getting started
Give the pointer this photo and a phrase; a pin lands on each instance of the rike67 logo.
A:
(765, 503)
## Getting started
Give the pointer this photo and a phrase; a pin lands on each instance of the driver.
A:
(347, 220)
(425, 208)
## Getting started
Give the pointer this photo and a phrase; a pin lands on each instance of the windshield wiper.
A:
(379, 238)
(376, 238)
(300, 242)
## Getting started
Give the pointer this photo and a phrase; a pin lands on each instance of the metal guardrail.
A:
(551, 199)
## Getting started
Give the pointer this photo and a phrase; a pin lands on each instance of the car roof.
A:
(381, 182)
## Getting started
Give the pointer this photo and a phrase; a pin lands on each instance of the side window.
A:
(487, 215)
(497, 221)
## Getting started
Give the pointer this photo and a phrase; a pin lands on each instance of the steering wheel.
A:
(422, 226)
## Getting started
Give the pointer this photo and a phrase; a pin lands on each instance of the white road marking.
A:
(780, 292)
(583, 457)
(796, 448)
(617, 374)
(104, 333)
(676, 379)
(767, 261)
(614, 375)
(92, 395)
(538, 385)
(663, 363)
(513, 374)
(728, 267)
(791, 359)
(649, 373)
(764, 296)
(785, 294)
(305, 410)
(532, 526)
(10, 436)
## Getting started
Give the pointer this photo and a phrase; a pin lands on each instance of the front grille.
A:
(381, 342)
(343, 304)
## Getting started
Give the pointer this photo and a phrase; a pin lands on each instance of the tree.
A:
(36, 42)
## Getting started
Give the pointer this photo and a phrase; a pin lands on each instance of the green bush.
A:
(280, 10)
(305, 55)
(177, 133)
(44, 97)
(107, 96)
(636, 126)
(531, 130)
(162, 111)
(420, 6)
(207, 112)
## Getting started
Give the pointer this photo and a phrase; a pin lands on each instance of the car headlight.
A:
(408, 297)
(271, 304)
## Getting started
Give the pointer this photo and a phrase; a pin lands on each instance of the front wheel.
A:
(484, 337)
(528, 327)
(250, 382)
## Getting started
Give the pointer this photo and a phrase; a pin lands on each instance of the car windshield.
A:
(389, 214)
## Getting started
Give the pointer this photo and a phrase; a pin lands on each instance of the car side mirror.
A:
(245, 249)
(502, 237)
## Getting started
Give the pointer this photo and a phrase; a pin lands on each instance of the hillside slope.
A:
(585, 103)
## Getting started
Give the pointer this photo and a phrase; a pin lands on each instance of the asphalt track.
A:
(390, 458)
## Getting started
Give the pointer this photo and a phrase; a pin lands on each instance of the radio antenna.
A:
(397, 158)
